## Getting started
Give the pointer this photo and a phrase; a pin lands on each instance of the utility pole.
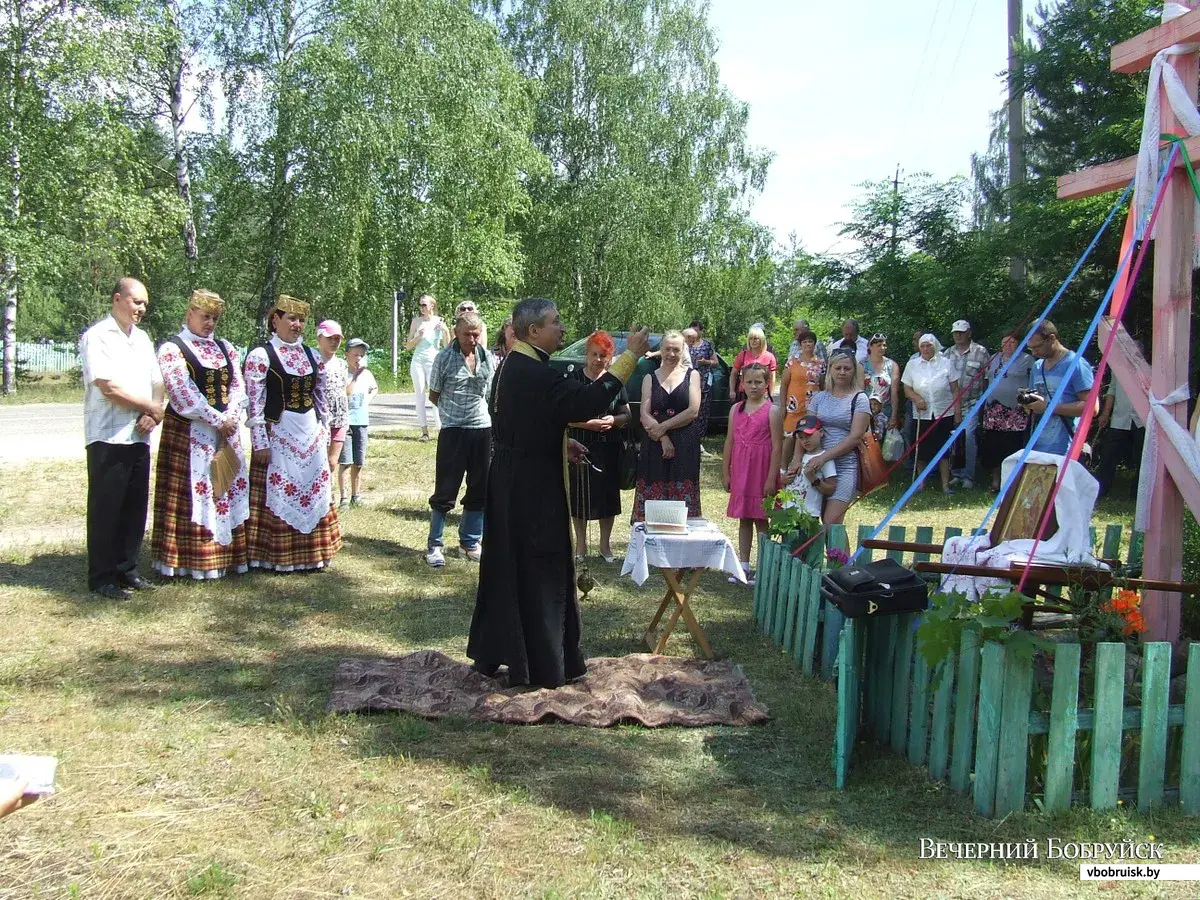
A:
(1016, 130)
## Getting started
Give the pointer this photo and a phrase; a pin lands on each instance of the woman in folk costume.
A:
(292, 523)
(198, 530)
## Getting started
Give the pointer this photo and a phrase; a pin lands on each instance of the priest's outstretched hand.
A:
(638, 341)
(576, 452)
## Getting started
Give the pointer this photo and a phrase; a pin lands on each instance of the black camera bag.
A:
(880, 588)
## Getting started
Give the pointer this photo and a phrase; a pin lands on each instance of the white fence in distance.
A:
(47, 357)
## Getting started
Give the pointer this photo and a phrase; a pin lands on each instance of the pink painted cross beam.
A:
(1175, 235)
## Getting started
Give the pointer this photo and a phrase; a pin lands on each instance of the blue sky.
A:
(843, 92)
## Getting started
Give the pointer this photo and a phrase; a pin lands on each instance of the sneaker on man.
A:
(435, 557)
(474, 554)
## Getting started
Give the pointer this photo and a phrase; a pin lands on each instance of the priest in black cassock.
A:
(526, 613)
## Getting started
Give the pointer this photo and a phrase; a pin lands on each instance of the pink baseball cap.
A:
(329, 328)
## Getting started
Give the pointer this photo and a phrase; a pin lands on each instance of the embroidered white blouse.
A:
(186, 398)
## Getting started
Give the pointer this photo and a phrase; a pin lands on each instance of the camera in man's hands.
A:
(1025, 396)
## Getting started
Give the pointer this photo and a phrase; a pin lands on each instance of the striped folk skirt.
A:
(180, 547)
(274, 544)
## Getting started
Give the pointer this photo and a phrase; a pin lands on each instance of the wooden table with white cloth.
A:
(678, 557)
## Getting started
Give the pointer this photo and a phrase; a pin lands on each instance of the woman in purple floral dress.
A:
(1004, 424)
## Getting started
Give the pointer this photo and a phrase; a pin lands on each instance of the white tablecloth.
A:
(703, 547)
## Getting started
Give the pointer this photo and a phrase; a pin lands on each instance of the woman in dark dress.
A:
(669, 464)
(704, 358)
(596, 495)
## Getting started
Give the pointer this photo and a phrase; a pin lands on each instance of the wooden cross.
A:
(1174, 483)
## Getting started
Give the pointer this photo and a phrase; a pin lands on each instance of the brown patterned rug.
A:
(652, 690)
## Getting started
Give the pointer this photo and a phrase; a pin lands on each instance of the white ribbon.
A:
(1180, 439)
(1149, 161)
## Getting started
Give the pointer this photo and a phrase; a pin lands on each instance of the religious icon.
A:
(1025, 503)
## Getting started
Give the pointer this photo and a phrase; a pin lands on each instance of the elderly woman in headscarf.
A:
(929, 381)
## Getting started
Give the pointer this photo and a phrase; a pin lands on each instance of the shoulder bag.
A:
(627, 460)
(872, 468)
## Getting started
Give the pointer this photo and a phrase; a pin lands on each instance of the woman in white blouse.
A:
(929, 382)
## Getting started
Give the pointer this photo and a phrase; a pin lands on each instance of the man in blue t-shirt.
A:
(1054, 364)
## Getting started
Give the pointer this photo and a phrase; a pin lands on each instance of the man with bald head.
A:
(123, 402)
(852, 340)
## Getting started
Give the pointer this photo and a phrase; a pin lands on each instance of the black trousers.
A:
(461, 451)
(1117, 446)
(118, 498)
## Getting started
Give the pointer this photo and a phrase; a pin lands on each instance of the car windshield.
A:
(578, 350)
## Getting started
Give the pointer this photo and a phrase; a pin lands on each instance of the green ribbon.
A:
(1186, 157)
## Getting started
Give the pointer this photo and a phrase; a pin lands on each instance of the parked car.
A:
(569, 358)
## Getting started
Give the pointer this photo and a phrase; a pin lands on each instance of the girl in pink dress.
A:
(751, 460)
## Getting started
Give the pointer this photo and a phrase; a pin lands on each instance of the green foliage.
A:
(994, 618)
(213, 880)
(787, 519)
(641, 214)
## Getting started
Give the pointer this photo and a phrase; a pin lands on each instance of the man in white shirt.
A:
(852, 340)
(123, 402)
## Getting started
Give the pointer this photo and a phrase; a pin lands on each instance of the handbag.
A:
(872, 468)
(627, 460)
(882, 588)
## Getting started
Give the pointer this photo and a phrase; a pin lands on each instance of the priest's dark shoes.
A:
(110, 592)
(134, 581)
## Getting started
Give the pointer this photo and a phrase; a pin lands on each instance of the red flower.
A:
(223, 506)
(290, 489)
(305, 501)
(240, 485)
(276, 479)
(201, 488)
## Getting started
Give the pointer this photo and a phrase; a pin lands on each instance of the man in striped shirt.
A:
(123, 403)
(459, 385)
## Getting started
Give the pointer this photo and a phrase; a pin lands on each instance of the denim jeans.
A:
(470, 528)
(970, 470)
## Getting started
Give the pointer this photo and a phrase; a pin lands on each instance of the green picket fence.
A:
(971, 721)
(788, 606)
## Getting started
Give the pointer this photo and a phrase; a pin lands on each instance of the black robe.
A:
(526, 612)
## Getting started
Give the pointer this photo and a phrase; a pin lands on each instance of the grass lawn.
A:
(196, 758)
(56, 388)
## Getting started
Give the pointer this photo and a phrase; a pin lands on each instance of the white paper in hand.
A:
(36, 771)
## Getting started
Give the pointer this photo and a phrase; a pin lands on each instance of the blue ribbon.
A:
(995, 383)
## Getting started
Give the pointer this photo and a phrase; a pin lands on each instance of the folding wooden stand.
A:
(679, 595)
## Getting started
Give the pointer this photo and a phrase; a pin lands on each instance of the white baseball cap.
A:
(961, 325)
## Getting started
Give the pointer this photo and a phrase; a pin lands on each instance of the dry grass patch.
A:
(197, 758)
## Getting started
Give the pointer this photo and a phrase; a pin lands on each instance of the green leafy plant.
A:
(787, 520)
(994, 618)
